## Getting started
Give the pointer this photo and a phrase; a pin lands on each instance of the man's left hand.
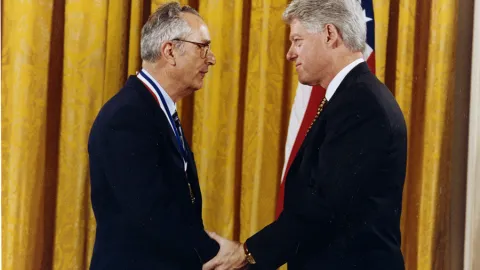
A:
(230, 256)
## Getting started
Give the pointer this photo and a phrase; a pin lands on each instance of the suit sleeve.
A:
(135, 172)
(354, 146)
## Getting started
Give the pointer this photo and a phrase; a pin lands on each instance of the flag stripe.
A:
(316, 96)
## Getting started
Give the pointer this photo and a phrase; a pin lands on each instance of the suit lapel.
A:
(164, 124)
(317, 132)
(161, 120)
(190, 160)
(314, 136)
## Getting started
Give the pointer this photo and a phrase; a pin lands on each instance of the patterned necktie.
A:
(319, 110)
(179, 128)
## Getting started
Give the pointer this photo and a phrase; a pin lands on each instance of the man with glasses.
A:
(145, 191)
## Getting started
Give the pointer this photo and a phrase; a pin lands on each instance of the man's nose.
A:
(211, 60)
(291, 54)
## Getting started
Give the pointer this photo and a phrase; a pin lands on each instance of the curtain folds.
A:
(61, 61)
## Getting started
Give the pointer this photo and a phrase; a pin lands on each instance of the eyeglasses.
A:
(204, 47)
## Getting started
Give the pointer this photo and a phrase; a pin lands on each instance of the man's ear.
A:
(333, 36)
(167, 52)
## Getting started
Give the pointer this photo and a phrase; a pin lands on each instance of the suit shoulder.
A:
(125, 102)
(125, 108)
(372, 93)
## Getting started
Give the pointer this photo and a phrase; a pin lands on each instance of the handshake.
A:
(232, 255)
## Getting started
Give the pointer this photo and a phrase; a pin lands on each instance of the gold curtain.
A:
(61, 60)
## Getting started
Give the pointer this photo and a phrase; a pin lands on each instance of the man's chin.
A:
(305, 82)
(197, 87)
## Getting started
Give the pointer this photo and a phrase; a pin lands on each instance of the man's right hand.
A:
(230, 256)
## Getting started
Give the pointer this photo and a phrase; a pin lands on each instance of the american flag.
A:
(307, 100)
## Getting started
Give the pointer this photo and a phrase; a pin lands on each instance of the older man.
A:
(343, 194)
(145, 192)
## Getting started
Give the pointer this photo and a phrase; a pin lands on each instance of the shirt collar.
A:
(172, 107)
(337, 80)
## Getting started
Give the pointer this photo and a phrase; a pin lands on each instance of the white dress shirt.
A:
(172, 107)
(337, 80)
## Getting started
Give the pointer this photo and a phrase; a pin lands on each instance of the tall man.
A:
(145, 192)
(343, 193)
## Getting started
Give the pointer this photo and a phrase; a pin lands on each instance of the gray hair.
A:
(163, 25)
(346, 15)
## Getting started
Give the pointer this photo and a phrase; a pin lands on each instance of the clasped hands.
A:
(230, 256)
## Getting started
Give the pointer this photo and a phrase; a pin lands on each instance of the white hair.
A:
(345, 15)
(163, 25)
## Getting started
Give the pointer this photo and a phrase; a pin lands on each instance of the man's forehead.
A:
(204, 31)
(193, 20)
(201, 34)
(296, 27)
(296, 31)
(199, 29)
